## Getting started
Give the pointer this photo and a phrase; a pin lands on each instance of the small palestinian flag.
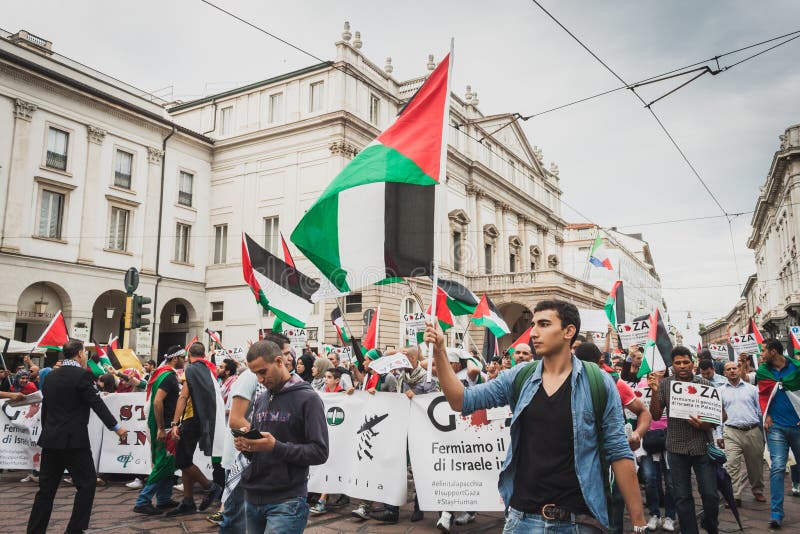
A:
(98, 362)
(392, 177)
(753, 329)
(460, 300)
(653, 360)
(524, 338)
(768, 387)
(599, 255)
(663, 342)
(276, 285)
(615, 305)
(214, 337)
(443, 314)
(487, 315)
(55, 335)
(190, 343)
(338, 324)
(371, 337)
(794, 335)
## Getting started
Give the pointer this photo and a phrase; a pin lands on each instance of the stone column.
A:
(479, 232)
(153, 196)
(473, 231)
(90, 227)
(18, 179)
(505, 232)
(522, 222)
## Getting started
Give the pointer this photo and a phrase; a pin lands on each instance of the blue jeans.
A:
(654, 472)
(161, 489)
(521, 523)
(233, 515)
(779, 440)
(681, 466)
(287, 517)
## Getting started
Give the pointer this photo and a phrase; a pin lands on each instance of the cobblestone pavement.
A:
(114, 502)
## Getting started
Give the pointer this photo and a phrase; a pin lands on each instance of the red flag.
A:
(443, 313)
(287, 256)
(214, 337)
(55, 335)
(371, 337)
(759, 339)
(194, 340)
(758, 310)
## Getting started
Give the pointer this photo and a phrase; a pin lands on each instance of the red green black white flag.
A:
(55, 335)
(487, 315)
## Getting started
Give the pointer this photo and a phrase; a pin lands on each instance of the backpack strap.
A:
(520, 379)
(597, 389)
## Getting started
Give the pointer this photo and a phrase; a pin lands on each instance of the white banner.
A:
(634, 333)
(21, 428)
(692, 399)
(593, 320)
(744, 344)
(456, 460)
(413, 323)
(367, 437)
(389, 363)
(130, 455)
(718, 352)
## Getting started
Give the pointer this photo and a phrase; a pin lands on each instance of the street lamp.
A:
(40, 306)
(175, 318)
(110, 312)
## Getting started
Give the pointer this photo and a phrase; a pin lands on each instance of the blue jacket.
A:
(499, 392)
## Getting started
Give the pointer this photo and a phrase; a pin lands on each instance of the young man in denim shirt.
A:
(552, 479)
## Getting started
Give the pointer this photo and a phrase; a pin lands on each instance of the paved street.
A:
(114, 503)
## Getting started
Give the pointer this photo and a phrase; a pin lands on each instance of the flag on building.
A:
(524, 338)
(370, 340)
(615, 305)
(443, 314)
(375, 220)
(276, 285)
(653, 359)
(599, 255)
(753, 329)
(487, 315)
(460, 300)
(338, 324)
(55, 335)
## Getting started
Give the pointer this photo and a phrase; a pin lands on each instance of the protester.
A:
(23, 384)
(707, 371)
(347, 380)
(546, 483)
(523, 353)
(493, 368)
(67, 399)
(291, 420)
(5, 381)
(465, 368)
(304, 365)
(686, 446)
(505, 361)
(227, 377)
(579, 340)
(413, 381)
(318, 369)
(743, 439)
(777, 379)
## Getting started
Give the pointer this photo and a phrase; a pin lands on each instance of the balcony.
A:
(526, 281)
(56, 160)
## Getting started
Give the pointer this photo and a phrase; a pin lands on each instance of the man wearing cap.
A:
(162, 392)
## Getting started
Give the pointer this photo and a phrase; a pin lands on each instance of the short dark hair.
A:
(198, 350)
(775, 345)
(567, 313)
(581, 338)
(588, 352)
(72, 348)
(335, 371)
(278, 338)
(704, 354)
(151, 362)
(680, 350)
(264, 349)
(230, 365)
(706, 364)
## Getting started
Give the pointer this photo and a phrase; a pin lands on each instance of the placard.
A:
(298, 337)
(745, 343)
(718, 352)
(634, 333)
(688, 399)
(389, 363)
(413, 323)
(21, 427)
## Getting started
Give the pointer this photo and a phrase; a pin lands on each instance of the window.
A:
(352, 303)
(487, 258)
(123, 169)
(410, 306)
(57, 143)
(374, 109)
(226, 120)
(183, 233)
(275, 108)
(457, 251)
(512, 262)
(271, 234)
(220, 243)
(185, 188)
(217, 311)
(315, 96)
(51, 213)
(118, 229)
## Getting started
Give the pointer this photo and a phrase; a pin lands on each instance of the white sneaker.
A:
(463, 518)
(360, 512)
(178, 487)
(445, 522)
(652, 523)
(795, 489)
(668, 525)
(30, 478)
(136, 483)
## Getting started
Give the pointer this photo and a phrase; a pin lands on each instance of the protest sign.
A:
(413, 324)
(129, 455)
(390, 363)
(456, 460)
(718, 352)
(367, 437)
(745, 343)
(634, 333)
(297, 338)
(238, 354)
(642, 392)
(688, 399)
(21, 427)
(599, 338)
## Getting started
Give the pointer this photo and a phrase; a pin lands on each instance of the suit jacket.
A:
(68, 394)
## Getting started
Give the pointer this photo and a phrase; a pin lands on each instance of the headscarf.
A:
(308, 363)
(321, 365)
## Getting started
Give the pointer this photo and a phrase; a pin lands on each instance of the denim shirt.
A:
(499, 392)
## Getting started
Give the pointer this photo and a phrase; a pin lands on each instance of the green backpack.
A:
(599, 399)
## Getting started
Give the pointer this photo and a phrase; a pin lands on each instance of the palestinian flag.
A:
(615, 305)
(524, 338)
(794, 332)
(277, 286)
(488, 316)
(189, 344)
(753, 329)
(287, 256)
(443, 314)
(599, 255)
(55, 335)
(663, 342)
(375, 220)
(163, 463)
(653, 359)
(338, 324)
(371, 337)
(277, 325)
(490, 346)
(768, 387)
(97, 363)
(460, 300)
(214, 337)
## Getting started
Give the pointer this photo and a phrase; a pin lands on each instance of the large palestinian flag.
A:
(768, 387)
(615, 305)
(460, 300)
(653, 359)
(375, 220)
(277, 286)
(487, 315)
(663, 342)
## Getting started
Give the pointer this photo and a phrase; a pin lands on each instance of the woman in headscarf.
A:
(304, 365)
(318, 371)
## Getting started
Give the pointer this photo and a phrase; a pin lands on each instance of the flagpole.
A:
(434, 320)
(344, 318)
(589, 255)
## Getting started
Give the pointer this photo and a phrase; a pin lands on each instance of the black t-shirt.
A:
(546, 456)
(171, 388)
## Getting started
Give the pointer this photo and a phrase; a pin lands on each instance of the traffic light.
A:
(139, 312)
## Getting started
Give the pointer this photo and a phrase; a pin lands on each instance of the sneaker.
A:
(668, 524)
(360, 512)
(167, 505)
(147, 509)
(30, 478)
(215, 518)
(136, 483)
(774, 524)
(178, 487)
(445, 522)
(318, 508)
(795, 490)
(652, 523)
(463, 518)
(184, 508)
(213, 493)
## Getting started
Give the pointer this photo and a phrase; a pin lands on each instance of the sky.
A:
(617, 167)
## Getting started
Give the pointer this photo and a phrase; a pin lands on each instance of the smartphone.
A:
(250, 434)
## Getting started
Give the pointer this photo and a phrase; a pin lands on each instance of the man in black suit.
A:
(68, 394)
